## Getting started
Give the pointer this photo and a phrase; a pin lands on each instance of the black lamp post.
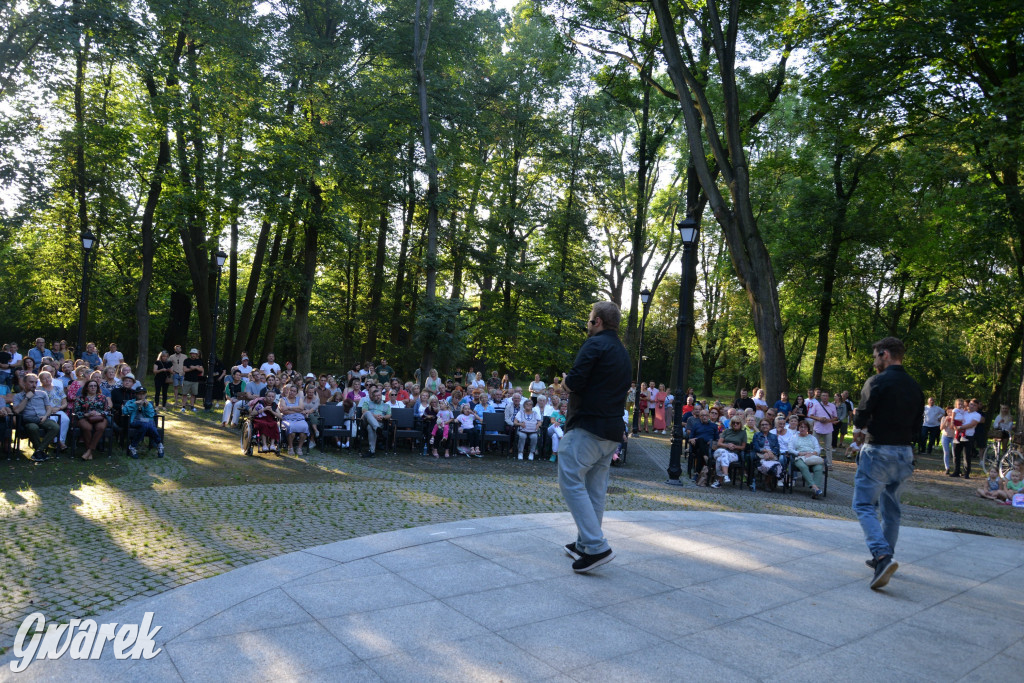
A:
(219, 256)
(645, 299)
(689, 230)
(88, 239)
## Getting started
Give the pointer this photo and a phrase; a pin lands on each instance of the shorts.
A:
(190, 388)
(178, 379)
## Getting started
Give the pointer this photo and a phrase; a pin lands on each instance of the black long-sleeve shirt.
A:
(891, 407)
(598, 383)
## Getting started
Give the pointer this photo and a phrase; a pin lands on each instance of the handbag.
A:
(812, 460)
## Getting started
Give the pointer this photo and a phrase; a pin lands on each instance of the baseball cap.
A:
(310, 375)
(194, 350)
(129, 376)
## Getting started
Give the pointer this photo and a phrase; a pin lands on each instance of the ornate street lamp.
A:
(689, 231)
(219, 256)
(88, 240)
(645, 299)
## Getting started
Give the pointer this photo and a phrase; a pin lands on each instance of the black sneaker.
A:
(571, 551)
(39, 456)
(871, 563)
(368, 454)
(588, 562)
(885, 567)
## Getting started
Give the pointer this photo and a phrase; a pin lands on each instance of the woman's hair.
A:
(85, 388)
(780, 418)
(46, 374)
(803, 423)
(347, 404)
(734, 421)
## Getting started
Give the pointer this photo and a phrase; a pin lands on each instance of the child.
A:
(439, 436)
(1012, 486)
(142, 416)
(993, 486)
(467, 420)
(350, 423)
(853, 451)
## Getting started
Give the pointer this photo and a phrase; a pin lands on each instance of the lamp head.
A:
(221, 256)
(645, 296)
(689, 231)
(88, 239)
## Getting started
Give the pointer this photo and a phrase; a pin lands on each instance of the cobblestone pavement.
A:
(71, 554)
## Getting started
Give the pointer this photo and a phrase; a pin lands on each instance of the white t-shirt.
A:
(970, 417)
(933, 415)
(466, 421)
(114, 358)
(245, 369)
(760, 405)
(537, 387)
(16, 358)
(530, 421)
(270, 368)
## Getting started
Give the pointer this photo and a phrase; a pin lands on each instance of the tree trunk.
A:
(828, 282)
(749, 255)
(281, 289)
(180, 318)
(995, 398)
(421, 38)
(397, 331)
(267, 295)
(163, 161)
(370, 345)
(229, 331)
(314, 224)
(640, 218)
(245, 319)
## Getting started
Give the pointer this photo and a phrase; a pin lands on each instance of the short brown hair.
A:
(893, 345)
(609, 313)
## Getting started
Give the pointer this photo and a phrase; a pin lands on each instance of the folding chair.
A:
(495, 422)
(403, 426)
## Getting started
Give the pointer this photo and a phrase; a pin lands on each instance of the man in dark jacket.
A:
(597, 383)
(889, 414)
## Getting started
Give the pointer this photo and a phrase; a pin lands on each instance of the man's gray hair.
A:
(609, 313)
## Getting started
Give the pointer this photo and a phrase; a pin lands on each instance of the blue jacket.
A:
(707, 431)
(772, 440)
(131, 409)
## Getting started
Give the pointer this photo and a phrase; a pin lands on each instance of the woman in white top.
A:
(528, 423)
(433, 382)
(1002, 426)
(537, 387)
(56, 398)
(806, 453)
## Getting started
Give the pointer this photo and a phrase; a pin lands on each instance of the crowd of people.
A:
(55, 393)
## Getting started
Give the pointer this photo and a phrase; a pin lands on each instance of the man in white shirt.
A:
(964, 445)
(244, 367)
(113, 357)
(270, 367)
(930, 426)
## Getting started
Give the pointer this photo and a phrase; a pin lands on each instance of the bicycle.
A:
(1002, 459)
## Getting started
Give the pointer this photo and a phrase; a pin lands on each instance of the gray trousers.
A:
(583, 464)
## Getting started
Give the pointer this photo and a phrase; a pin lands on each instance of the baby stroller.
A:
(619, 457)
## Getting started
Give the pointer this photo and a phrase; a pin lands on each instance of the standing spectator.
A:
(271, 367)
(244, 367)
(385, 372)
(6, 365)
(1002, 426)
(193, 371)
(597, 384)
(60, 351)
(91, 357)
(537, 387)
(39, 351)
(890, 412)
(845, 416)
(178, 373)
(744, 401)
(161, 378)
(16, 358)
(113, 357)
(34, 407)
(930, 426)
(89, 412)
(948, 428)
(823, 413)
(783, 405)
(760, 405)
(964, 449)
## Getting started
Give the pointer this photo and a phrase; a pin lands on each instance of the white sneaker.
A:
(520, 456)
(531, 456)
(725, 479)
(715, 484)
(298, 451)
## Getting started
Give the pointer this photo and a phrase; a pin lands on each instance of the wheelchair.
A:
(247, 437)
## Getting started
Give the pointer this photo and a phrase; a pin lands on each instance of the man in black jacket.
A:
(597, 386)
(890, 412)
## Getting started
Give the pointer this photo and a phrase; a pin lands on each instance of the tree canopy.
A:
(450, 183)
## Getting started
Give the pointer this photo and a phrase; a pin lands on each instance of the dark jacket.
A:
(598, 383)
(891, 407)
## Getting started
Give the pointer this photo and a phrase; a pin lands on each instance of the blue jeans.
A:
(583, 464)
(947, 452)
(881, 471)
